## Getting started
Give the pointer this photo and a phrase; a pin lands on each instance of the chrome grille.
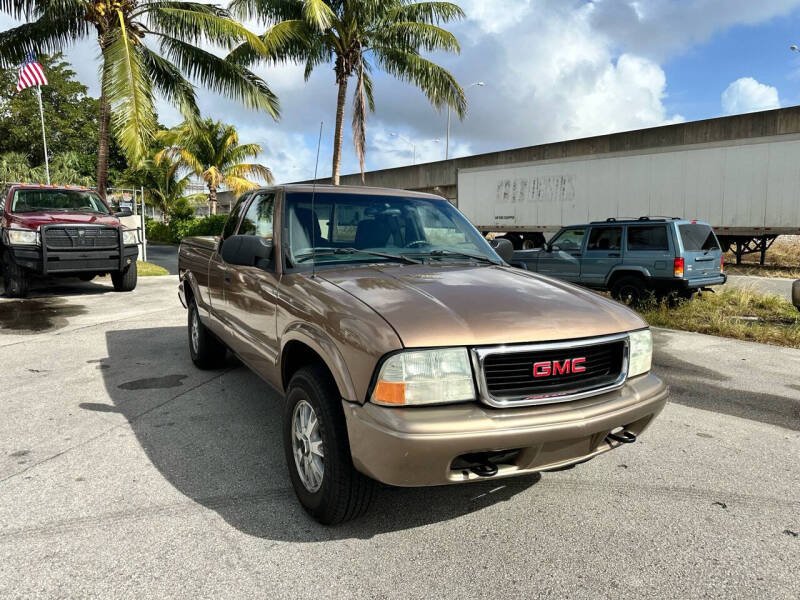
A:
(506, 373)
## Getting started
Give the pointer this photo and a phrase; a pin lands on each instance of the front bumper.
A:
(419, 446)
(73, 261)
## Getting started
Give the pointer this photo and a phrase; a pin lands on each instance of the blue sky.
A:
(554, 70)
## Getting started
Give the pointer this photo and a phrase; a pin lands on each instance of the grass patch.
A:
(736, 313)
(147, 269)
(783, 260)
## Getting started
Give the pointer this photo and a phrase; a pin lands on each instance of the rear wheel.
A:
(125, 280)
(317, 450)
(15, 278)
(630, 290)
(207, 351)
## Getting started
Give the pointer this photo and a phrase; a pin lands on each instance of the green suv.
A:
(632, 258)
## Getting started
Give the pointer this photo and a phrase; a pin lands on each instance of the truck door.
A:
(561, 258)
(217, 269)
(251, 292)
(603, 253)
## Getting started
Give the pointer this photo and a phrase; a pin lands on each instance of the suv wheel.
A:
(206, 350)
(125, 280)
(15, 278)
(629, 289)
(318, 451)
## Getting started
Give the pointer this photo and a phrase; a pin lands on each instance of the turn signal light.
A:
(678, 267)
(722, 264)
(387, 392)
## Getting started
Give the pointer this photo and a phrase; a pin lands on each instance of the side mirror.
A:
(550, 248)
(247, 250)
(503, 247)
(123, 212)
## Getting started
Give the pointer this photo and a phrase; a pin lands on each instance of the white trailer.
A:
(748, 190)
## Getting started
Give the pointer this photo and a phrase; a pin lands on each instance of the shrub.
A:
(177, 229)
(157, 231)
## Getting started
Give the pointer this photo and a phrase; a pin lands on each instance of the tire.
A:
(206, 350)
(15, 278)
(532, 240)
(630, 290)
(125, 280)
(338, 492)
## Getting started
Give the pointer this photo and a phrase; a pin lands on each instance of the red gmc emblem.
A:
(550, 368)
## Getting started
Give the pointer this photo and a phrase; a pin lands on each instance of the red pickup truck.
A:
(62, 231)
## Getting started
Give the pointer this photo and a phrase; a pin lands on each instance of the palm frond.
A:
(427, 12)
(221, 76)
(239, 185)
(241, 153)
(438, 84)
(129, 94)
(170, 83)
(360, 118)
(284, 41)
(269, 11)
(50, 33)
(318, 14)
(193, 22)
(416, 36)
(244, 170)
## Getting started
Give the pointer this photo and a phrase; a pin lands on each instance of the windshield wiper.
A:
(444, 253)
(331, 251)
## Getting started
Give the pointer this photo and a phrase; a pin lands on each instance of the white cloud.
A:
(748, 95)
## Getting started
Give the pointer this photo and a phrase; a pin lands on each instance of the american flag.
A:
(31, 73)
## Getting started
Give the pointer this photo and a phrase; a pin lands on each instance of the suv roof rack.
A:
(634, 219)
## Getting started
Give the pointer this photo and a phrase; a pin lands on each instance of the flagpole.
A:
(44, 138)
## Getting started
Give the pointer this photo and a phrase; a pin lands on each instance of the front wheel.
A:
(15, 278)
(317, 450)
(125, 280)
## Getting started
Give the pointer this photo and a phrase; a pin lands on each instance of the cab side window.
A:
(605, 238)
(233, 218)
(571, 239)
(258, 218)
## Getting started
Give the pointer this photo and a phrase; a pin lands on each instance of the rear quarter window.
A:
(697, 237)
(647, 238)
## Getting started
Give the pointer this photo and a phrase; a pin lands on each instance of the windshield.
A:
(349, 228)
(697, 238)
(37, 200)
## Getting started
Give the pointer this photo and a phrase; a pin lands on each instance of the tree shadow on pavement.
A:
(216, 437)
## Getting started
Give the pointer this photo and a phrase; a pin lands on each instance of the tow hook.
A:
(483, 467)
(623, 437)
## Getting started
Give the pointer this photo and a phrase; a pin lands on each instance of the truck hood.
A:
(34, 220)
(430, 305)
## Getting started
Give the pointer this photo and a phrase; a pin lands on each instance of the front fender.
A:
(319, 341)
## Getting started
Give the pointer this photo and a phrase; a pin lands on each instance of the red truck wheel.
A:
(125, 280)
(15, 278)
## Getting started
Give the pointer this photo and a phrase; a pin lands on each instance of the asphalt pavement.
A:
(163, 255)
(777, 286)
(127, 473)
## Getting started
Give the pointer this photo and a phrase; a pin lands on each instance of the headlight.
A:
(425, 377)
(129, 237)
(641, 352)
(23, 236)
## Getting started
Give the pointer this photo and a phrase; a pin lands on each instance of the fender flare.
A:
(628, 270)
(321, 343)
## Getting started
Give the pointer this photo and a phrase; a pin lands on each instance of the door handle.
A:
(575, 253)
(227, 277)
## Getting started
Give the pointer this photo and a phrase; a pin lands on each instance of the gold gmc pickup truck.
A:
(408, 350)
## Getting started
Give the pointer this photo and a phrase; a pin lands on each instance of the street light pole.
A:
(412, 144)
(447, 143)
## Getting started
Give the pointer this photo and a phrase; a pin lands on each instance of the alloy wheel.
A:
(309, 456)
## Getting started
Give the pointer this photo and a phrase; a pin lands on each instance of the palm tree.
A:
(211, 150)
(162, 182)
(354, 36)
(132, 72)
